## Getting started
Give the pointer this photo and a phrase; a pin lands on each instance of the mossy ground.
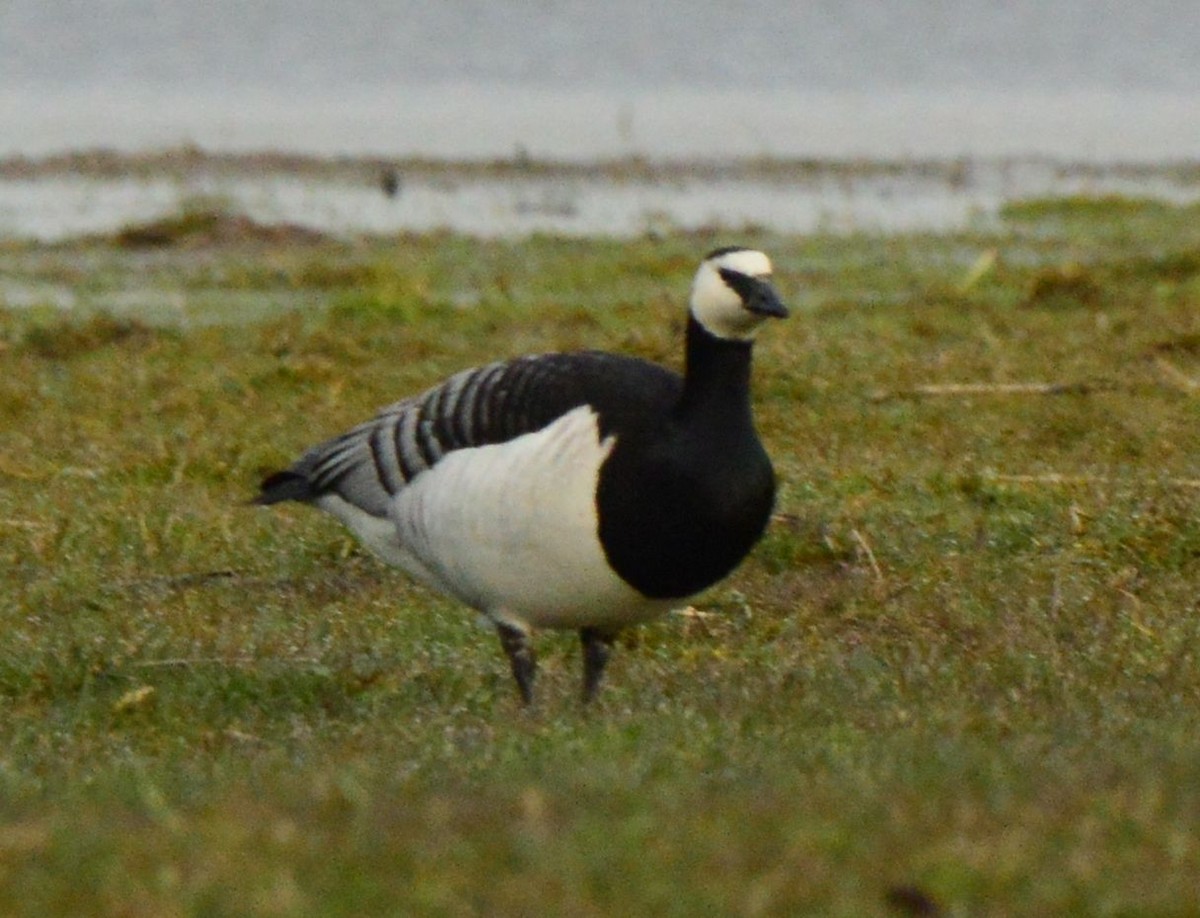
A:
(960, 674)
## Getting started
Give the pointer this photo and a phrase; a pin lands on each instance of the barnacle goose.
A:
(582, 490)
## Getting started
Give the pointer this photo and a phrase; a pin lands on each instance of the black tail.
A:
(286, 485)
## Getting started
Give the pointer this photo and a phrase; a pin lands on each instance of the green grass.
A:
(959, 674)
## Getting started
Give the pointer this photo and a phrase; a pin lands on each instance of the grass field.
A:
(960, 675)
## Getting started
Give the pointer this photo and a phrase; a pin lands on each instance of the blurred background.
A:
(1019, 97)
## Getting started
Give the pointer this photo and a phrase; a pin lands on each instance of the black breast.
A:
(685, 494)
(679, 510)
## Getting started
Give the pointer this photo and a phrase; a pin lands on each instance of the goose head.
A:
(732, 293)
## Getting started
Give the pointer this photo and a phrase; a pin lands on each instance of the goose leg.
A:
(515, 642)
(597, 647)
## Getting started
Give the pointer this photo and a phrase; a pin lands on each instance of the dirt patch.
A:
(1064, 287)
(202, 228)
(66, 339)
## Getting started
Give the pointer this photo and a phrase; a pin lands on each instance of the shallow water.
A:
(977, 81)
(55, 207)
(471, 121)
(1073, 79)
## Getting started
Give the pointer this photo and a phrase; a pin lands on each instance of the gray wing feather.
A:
(369, 464)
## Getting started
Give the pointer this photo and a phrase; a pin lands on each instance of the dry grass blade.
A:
(171, 662)
(1057, 478)
(867, 553)
(933, 390)
(1176, 376)
(188, 662)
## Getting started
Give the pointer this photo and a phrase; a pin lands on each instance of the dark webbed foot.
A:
(597, 647)
(515, 642)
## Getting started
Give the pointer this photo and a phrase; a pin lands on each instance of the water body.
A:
(987, 82)
(56, 207)
(1076, 79)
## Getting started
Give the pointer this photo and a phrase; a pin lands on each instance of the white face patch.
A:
(746, 261)
(716, 305)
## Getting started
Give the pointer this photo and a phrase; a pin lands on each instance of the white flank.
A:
(511, 529)
(378, 535)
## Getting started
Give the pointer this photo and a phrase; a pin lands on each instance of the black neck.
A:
(716, 373)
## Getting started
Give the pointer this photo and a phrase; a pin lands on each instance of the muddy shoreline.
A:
(56, 197)
(187, 161)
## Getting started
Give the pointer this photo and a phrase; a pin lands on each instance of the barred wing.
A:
(368, 465)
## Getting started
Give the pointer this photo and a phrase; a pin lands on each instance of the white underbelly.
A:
(511, 529)
(379, 536)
